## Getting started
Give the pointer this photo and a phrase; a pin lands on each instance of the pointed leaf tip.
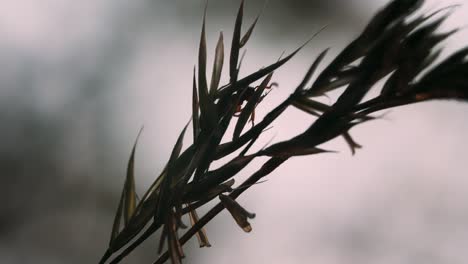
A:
(235, 46)
(217, 64)
(130, 194)
(247, 34)
(195, 108)
(311, 70)
(239, 214)
(249, 109)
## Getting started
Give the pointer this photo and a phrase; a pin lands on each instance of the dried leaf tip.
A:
(239, 214)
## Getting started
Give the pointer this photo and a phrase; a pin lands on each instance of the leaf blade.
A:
(130, 194)
(235, 45)
(195, 108)
(217, 65)
(250, 107)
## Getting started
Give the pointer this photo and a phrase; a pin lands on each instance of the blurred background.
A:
(79, 78)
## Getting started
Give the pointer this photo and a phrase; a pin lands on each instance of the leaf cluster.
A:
(398, 44)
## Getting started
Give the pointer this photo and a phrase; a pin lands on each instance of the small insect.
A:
(247, 96)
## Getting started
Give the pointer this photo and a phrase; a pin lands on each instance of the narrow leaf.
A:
(289, 150)
(201, 234)
(173, 243)
(230, 89)
(311, 70)
(118, 215)
(351, 143)
(250, 106)
(162, 239)
(130, 194)
(195, 107)
(216, 177)
(217, 65)
(207, 107)
(235, 46)
(166, 182)
(305, 108)
(247, 34)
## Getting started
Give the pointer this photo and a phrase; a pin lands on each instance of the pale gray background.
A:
(79, 78)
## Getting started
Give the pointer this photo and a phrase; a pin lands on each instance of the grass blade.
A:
(116, 226)
(218, 176)
(311, 70)
(247, 34)
(353, 145)
(130, 194)
(250, 107)
(195, 107)
(230, 89)
(217, 65)
(165, 192)
(207, 107)
(235, 46)
(201, 234)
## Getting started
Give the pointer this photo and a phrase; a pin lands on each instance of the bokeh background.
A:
(79, 78)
